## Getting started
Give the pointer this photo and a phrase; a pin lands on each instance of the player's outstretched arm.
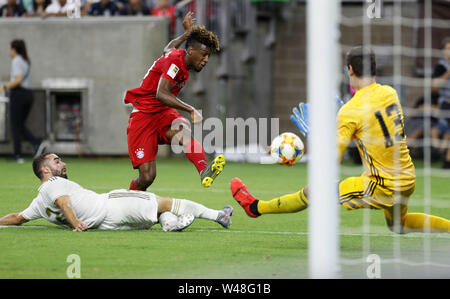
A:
(13, 219)
(165, 96)
(188, 25)
(64, 203)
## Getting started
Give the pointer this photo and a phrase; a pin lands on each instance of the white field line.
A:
(413, 236)
(23, 226)
(344, 261)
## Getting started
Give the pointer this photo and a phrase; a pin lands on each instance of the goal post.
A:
(323, 60)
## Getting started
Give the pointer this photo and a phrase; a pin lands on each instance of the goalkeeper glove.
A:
(300, 116)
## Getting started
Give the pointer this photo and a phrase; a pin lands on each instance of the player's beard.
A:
(61, 173)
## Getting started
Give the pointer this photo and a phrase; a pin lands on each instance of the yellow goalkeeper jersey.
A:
(373, 118)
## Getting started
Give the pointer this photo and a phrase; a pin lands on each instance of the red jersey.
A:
(170, 66)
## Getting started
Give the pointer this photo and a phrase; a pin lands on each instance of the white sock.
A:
(184, 206)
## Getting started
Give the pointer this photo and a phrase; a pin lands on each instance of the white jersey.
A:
(116, 210)
(88, 206)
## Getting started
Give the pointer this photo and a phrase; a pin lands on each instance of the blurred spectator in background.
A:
(121, 4)
(165, 9)
(58, 8)
(28, 5)
(441, 73)
(103, 8)
(444, 122)
(21, 98)
(38, 8)
(12, 8)
(415, 124)
(441, 84)
(135, 8)
(85, 4)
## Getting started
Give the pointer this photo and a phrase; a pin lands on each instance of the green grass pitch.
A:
(271, 246)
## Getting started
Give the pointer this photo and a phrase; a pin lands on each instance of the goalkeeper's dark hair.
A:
(38, 162)
(357, 57)
(200, 35)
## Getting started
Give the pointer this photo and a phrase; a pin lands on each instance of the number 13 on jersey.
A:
(393, 119)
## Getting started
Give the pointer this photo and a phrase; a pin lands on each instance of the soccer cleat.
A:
(212, 170)
(243, 196)
(224, 217)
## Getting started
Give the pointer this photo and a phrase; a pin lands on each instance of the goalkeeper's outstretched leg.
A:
(253, 207)
(350, 200)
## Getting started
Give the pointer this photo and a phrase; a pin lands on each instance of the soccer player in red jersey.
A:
(155, 120)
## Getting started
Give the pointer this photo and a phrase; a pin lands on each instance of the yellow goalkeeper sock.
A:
(289, 203)
(418, 222)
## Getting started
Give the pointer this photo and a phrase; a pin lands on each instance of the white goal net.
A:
(409, 41)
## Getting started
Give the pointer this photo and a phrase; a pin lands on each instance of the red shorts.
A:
(146, 130)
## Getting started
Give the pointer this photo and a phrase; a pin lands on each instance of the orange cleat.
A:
(243, 196)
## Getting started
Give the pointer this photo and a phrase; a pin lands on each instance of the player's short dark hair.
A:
(200, 35)
(38, 162)
(356, 58)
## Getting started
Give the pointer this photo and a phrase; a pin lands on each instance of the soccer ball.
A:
(287, 149)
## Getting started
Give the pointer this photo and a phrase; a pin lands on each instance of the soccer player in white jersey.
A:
(66, 203)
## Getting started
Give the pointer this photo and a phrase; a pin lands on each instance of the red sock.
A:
(133, 186)
(195, 153)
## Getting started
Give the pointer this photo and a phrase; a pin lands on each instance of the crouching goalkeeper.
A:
(373, 119)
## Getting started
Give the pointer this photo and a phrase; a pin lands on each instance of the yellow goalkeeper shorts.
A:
(362, 192)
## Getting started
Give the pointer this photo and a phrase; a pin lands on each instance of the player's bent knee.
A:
(185, 137)
(398, 229)
(395, 227)
(179, 133)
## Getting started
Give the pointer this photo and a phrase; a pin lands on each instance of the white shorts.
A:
(128, 209)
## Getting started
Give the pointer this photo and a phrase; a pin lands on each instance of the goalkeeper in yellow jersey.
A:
(373, 118)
